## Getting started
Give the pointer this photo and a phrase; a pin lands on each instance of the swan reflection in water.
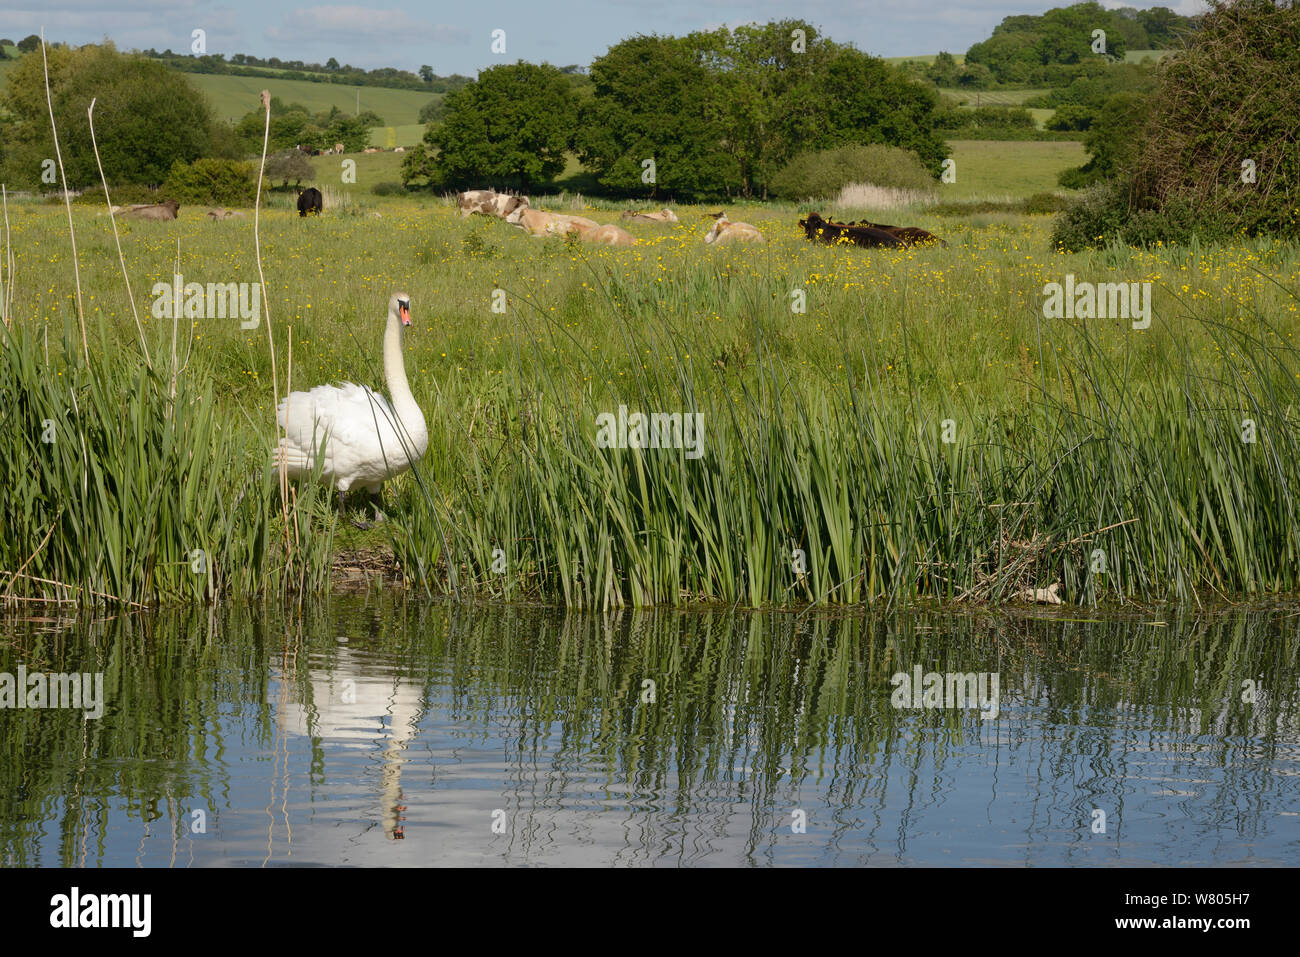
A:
(373, 713)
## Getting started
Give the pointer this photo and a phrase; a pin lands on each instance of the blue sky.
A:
(456, 38)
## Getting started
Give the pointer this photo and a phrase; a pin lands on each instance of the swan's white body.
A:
(361, 438)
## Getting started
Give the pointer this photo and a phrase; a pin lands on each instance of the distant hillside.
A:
(233, 96)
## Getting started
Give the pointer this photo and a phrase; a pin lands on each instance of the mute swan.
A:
(362, 439)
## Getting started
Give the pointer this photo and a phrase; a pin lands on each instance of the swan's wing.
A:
(355, 425)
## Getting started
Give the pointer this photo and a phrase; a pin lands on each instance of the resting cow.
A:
(725, 231)
(539, 222)
(868, 237)
(665, 215)
(488, 202)
(910, 235)
(607, 235)
(310, 201)
(167, 209)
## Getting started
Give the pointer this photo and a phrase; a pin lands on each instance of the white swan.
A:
(362, 439)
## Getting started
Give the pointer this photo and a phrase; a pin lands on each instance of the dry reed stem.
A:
(266, 310)
(126, 279)
(67, 201)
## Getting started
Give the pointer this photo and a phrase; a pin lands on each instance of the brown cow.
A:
(164, 210)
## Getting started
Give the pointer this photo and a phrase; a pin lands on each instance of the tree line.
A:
(708, 114)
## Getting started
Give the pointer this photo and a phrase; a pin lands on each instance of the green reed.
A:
(126, 484)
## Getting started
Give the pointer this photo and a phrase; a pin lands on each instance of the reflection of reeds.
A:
(773, 700)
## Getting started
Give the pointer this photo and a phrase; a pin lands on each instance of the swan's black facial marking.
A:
(404, 310)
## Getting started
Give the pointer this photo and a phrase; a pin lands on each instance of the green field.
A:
(989, 168)
(1137, 56)
(233, 96)
(407, 135)
(972, 98)
(926, 58)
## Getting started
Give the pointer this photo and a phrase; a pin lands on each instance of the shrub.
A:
(388, 189)
(1070, 117)
(824, 173)
(1229, 97)
(1042, 203)
(212, 182)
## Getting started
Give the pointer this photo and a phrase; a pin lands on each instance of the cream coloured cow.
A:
(538, 222)
(725, 231)
(665, 215)
(606, 235)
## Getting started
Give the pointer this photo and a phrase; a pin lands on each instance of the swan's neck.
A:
(404, 403)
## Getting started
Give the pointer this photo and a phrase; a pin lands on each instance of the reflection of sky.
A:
(456, 38)
(329, 785)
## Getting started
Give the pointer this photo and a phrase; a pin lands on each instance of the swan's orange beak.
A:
(404, 311)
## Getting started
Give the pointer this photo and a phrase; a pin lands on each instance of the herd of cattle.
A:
(517, 211)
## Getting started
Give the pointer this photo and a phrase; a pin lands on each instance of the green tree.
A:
(426, 73)
(29, 43)
(654, 99)
(147, 117)
(289, 165)
(510, 127)
(943, 71)
(1112, 138)
(861, 99)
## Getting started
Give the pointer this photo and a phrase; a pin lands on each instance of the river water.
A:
(375, 731)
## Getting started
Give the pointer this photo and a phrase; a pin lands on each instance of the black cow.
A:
(910, 235)
(815, 227)
(310, 201)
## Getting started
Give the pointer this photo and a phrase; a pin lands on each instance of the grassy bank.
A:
(826, 474)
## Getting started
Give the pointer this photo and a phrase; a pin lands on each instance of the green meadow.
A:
(878, 425)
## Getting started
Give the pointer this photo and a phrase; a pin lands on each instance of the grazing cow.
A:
(164, 210)
(338, 147)
(868, 237)
(725, 231)
(310, 201)
(665, 215)
(538, 222)
(910, 235)
(607, 235)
